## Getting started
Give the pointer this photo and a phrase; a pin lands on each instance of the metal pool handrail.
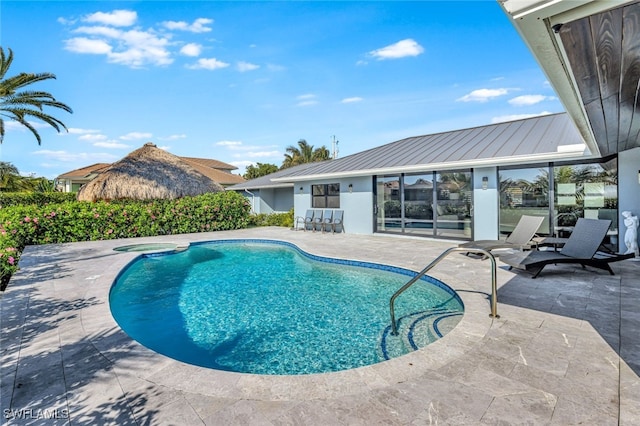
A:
(494, 290)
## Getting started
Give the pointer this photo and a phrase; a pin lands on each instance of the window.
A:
(325, 196)
(562, 193)
(523, 192)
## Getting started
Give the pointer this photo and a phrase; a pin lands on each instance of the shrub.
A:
(272, 219)
(70, 221)
(40, 198)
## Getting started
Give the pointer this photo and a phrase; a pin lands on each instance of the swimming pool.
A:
(266, 307)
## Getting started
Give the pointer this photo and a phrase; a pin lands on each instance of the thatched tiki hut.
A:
(148, 173)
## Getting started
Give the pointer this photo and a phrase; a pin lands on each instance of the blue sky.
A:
(240, 81)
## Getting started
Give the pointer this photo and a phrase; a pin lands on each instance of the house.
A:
(215, 170)
(476, 183)
(73, 180)
(462, 184)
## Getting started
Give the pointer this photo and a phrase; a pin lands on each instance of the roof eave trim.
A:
(266, 186)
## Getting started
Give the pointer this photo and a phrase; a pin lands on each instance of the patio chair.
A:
(327, 220)
(520, 238)
(317, 220)
(581, 248)
(305, 221)
(337, 221)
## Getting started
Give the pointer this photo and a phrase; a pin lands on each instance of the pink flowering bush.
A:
(23, 225)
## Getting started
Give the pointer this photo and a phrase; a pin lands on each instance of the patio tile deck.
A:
(565, 350)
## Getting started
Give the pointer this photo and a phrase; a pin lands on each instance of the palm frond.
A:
(19, 105)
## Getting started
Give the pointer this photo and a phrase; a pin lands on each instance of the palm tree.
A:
(19, 105)
(304, 153)
(10, 179)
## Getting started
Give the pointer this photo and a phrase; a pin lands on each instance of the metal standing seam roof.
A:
(543, 138)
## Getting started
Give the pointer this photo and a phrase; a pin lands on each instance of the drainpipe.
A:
(253, 197)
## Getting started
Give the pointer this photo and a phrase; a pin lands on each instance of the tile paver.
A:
(564, 351)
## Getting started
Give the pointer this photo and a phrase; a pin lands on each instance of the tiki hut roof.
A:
(148, 173)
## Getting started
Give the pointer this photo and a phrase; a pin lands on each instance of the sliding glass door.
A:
(427, 204)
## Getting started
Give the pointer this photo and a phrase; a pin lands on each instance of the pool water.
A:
(269, 308)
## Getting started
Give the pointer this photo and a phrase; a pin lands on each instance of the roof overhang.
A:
(588, 50)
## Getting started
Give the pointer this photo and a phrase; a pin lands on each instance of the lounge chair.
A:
(327, 220)
(581, 248)
(519, 239)
(337, 221)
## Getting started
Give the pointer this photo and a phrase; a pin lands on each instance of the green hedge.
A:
(70, 221)
(40, 198)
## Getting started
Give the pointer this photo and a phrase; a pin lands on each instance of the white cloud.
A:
(483, 95)
(111, 145)
(92, 137)
(132, 48)
(306, 100)
(86, 45)
(246, 66)
(198, 26)
(526, 100)
(249, 151)
(503, 118)
(77, 131)
(80, 157)
(65, 21)
(276, 67)
(230, 144)
(351, 100)
(173, 137)
(361, 63)
(117, 18)
(142, 48)
(208, 64)
(136, 136)
(191, 49)
(242, 164)
(14, 125)
(258, 154)
(100, 31)
(401, 49)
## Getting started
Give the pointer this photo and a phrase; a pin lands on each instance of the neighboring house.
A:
(73, 180)
(463, 184)
(215, 170)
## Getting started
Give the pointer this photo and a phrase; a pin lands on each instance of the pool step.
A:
(417, 330)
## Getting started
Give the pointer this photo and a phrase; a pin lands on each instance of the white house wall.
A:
(357, 204)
